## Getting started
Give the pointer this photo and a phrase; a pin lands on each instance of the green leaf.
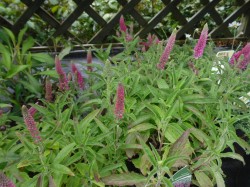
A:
(148, 151)
(10, 34)
(88, 119)
(20, 36)
(27, 144)
(59, 168)
(83, 168)
(64, 52)
(77, 156)
(15, 69)
(142, 127)
(24, 163)
(64, 153)
(219, 179)
(203, 179)
(51, 73)
(162, 84)
(110, 168)
(233, 156)
(43, 57)
(124, 179)
(3, 105)
(27, 44)
(103, 128)
(6, 56)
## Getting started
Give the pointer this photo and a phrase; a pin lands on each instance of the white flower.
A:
(221, 8)
(188, 36)
(234, 25)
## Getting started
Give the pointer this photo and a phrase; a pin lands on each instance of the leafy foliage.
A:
(173, 117)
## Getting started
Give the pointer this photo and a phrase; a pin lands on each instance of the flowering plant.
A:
(147, 112)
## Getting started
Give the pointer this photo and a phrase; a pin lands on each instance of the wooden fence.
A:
(129, 7)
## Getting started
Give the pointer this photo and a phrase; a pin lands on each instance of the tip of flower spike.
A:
(123, 26)
(174, 31)
(25, 110)
(205, 26)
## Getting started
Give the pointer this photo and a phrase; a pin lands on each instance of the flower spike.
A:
(31, 124)
(123, 27)
(78, 76)
(245, 53)
(63, 81)
(167, 51)
(4, 181)
(119, 105)
(201, 44)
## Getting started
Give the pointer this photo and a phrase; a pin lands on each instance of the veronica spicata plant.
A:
(133, 124)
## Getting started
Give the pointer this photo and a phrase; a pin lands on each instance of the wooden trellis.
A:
(128, 7)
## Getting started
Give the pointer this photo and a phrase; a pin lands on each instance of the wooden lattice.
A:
(128, 7)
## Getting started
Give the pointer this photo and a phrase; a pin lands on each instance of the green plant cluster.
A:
(85, 27)
(173, 118)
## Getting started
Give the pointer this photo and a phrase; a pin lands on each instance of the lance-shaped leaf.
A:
(124, 179)
(181, 148)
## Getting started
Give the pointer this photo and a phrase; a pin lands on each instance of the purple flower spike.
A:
(63, 81)
(5, 182)
(201, 44)
(245, 53)
(78, 76)
(167, 51)
(31, 125)
(119, 105)
(32, 110)
(123, 27)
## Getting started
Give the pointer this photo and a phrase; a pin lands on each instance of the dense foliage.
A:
(135, 119)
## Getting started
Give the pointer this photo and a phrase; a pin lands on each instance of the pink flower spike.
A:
(32, 110)
(78, 76)
(245, 53)
(89, 60)
(63, 81)
(167, 51)
(119, 105)
(201, 44)
(5, 182)
(123, 27)
(31, 125)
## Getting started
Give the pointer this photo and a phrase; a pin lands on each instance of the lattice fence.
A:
(107, 27)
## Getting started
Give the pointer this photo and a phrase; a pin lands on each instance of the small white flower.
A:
(222, 8)
(188, 36)
(234, 25)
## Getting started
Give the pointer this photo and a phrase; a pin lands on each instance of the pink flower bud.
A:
(123, 27)
(31, 125)
(78, 76)
(63, 81)
(119, 105)
(201, 44)
(5, 182)
(167, 51)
